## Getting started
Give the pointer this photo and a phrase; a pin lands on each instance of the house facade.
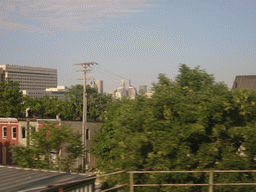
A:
(14, 132)
(9, 135)
(90, 132)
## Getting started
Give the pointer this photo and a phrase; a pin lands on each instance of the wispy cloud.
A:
(69, 15)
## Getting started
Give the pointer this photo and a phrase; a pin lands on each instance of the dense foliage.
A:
(192, 123)
(45, 148)
(14, 104)
(10, 99)
(72, 107)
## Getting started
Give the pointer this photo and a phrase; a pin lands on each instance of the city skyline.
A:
(134, 40)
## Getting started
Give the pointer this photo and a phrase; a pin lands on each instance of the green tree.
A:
(195, 79)
(10, 99)
(96, 103)
(75, 95)
(51, 138)
(192, 123)
(50, 107)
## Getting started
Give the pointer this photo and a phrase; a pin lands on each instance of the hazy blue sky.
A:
(130, 39)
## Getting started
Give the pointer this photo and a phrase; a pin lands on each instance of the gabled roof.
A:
(24, 179)
(245, 82)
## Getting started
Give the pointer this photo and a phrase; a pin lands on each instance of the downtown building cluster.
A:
(130, 92)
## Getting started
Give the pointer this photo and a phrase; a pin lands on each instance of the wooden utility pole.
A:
(85, 65)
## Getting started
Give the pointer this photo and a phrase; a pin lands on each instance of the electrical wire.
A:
(115, 75)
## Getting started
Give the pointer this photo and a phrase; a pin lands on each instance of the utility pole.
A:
(85, 65)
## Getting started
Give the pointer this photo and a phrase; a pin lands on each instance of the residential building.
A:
(92, 129)
(23, 126)
(14, 132)
(9, 135)
(244, 82)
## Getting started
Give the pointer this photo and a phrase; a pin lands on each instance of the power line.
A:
(109, 75)
(105, 70)
(114, 75)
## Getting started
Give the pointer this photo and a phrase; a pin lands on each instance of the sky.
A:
(130, 39)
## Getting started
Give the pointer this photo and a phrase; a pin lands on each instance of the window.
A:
(4, 133)
(87, 134)
(23, 132)
(14, 132)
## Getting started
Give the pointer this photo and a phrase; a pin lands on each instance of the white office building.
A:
(30, 78)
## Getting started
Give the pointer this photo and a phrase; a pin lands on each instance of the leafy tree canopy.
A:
(48, 140)
(96, 103)
(192, 123)
(50, 107)
(10, 99)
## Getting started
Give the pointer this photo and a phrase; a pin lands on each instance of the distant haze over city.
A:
(130, 39)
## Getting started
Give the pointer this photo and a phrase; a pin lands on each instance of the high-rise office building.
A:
(99, 84)
(30, 78)
(131, 91)
(143, 89)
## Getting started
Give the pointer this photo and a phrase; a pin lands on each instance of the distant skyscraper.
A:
(99, 84)
(121, 91)
(131, 91)
(143, 89)
(92, 84)
(122, 83)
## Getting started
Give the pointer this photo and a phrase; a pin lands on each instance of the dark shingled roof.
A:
(245, 82)
(13, 179)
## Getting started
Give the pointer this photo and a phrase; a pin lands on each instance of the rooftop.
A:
(15, 179)
(245, 82)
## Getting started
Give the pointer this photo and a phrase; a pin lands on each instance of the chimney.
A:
(27, 112)
(58, 116)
